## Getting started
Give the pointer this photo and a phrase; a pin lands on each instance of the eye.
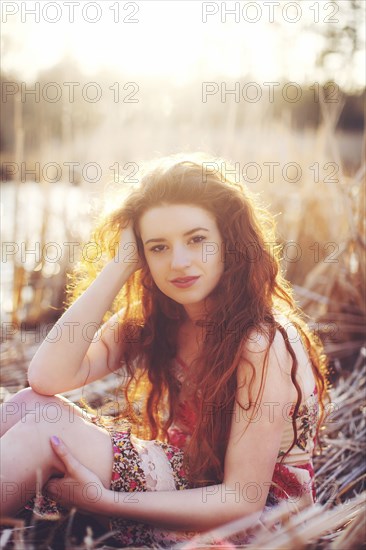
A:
(157, 248)
(198, 239)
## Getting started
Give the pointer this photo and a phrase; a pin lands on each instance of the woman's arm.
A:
(62, 363)
(249, 462)
(188, 510)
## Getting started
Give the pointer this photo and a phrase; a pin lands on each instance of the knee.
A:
(18, 404)
(50, 408)
(28, 396)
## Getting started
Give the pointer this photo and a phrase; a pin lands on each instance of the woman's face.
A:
(182, 246)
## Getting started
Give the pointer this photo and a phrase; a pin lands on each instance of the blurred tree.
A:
(343, 37)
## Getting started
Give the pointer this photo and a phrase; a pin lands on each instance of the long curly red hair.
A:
(252, 287)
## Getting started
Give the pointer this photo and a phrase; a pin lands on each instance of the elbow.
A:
(40, 389)
(38, 386)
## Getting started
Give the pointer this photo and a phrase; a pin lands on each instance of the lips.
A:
(184, 282)
(183, 279)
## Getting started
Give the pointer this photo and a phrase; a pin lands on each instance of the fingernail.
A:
(55, 440)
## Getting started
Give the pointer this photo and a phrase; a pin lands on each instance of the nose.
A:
(180, 258)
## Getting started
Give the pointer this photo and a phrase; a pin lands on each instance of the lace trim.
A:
(154, 463)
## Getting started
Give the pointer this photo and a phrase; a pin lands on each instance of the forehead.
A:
(175, 218)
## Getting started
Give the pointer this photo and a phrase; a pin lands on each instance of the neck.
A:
(197, 312)
(191, 337)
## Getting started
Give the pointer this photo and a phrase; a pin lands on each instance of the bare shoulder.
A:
(265, 366)
(257, 344)
(257, 351)
(305, 373)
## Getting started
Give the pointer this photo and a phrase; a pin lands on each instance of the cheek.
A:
(215, 262)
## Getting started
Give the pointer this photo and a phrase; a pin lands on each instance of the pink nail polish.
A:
(55, 440)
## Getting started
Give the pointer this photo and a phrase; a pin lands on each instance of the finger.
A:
(62, 451)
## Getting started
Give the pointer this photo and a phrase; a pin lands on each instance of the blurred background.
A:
(92, 89)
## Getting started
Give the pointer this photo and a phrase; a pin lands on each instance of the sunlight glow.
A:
(168, 39)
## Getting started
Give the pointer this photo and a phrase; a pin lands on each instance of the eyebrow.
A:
(184, 235)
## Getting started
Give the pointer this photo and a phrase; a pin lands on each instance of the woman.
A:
(226, 375)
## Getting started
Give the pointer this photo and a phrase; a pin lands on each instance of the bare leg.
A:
(27, 401)
(25, 447)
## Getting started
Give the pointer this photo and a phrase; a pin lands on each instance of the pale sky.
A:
(169, 38)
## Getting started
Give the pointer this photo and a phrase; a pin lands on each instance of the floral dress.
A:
(141, 465)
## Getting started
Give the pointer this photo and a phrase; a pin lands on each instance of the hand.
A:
(127, 252)
(79, 487)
